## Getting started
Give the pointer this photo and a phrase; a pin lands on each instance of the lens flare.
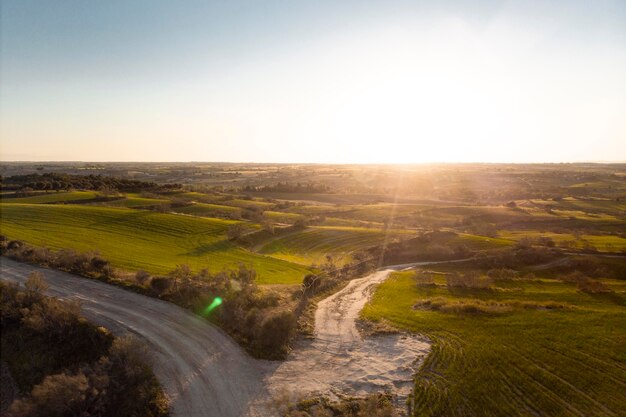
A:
(214, 304)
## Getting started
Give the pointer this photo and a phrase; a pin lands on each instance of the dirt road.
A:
(338, 361)
(204, 371)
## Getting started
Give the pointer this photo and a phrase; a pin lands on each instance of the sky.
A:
(335, 81)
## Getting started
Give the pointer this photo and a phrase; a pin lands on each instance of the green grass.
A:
(52, 197)
(282, 217)
(604, 243)
(136, 201)
(561, 362)
(481, 242)
(251, 204)
(133, 239)
(588, 205)
(312, 244)
(207, 210)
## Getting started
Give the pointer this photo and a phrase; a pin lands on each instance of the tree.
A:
(235, 231)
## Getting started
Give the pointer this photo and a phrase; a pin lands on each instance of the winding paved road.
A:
(204, 372)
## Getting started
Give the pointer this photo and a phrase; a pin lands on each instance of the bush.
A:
(161, 285)
(67, 366)
(142, 277)
(58, 395)
(471, 306)
(469, 280)
(592, 286)
(423, 278)
(502, 273)
(275, 332)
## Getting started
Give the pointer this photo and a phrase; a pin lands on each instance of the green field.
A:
(604, 243)
(208, 210)
(566, 361)
(282, 217)
(133, 200)
(311, 245)
(480, 242)
(133, 239)
(52, 197)
(250, 204)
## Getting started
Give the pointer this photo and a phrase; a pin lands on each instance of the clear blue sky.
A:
(313, 81)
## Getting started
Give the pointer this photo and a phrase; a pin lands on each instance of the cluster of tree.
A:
(585, 283)
(254, 318)
(54, 181)
(66, 366)
(290, 187)
(516, 257)
(428, 246)
(467, 280)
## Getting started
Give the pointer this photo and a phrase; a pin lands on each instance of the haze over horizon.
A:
(330, 82)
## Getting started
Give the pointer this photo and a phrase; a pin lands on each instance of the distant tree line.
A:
(59, 182)
(290, 187)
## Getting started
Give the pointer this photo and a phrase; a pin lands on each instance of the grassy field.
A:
(133, 239)
(567, 361)
(52, 197)
(604, 243)
(133, 200)
(282, 217)
(208, 210)
(481, 242)
(251, 204)
(311, 245)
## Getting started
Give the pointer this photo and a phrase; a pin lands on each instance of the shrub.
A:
(35, 283)
(142, 277)
(161, 285)
(592, 286)
(501, 273)
(423, 278)
(275, 331)
(575, 277)
(470, 280)
(58, 395)
(68, 366)
(463, 306)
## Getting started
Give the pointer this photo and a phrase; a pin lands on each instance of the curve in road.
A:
(203, 371)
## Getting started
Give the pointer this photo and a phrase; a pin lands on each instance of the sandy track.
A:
(204, 372)
(338, 361)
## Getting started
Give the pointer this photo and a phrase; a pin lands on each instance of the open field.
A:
(208, 210)
(51, 197)
(604, 243)
(133, 239)
(561, 353)
(310, 246)
(134, 200)
(535, 346)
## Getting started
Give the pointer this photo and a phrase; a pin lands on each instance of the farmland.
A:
(528, 343)
(56, 197)
(135, 239)
(563, 359)
(313, 244)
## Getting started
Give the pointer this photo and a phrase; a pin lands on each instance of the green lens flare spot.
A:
(216, 302)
